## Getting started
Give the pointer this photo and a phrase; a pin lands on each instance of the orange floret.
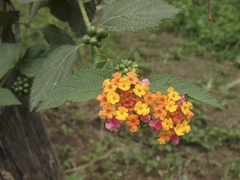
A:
(159, 112)
(164, 137)
(149, 98)
(132, 77)
(116, 77)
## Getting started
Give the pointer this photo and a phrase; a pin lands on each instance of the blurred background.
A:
(204, 52)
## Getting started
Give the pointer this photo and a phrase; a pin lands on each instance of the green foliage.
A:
(51, 68)
(77, 176)
(221, 34)
(65, 150)
(67, 130)
(163, 81)
(69, 11)
(81, 86)
(9, 55)
(56, 35)
(32, 60)
(135, 15)
(34, 9)
(120, 152)
(7, 98)
(104, 63)
(232, 171)
(55, 68)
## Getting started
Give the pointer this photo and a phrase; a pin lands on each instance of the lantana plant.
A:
(127, 100)
(158, 102)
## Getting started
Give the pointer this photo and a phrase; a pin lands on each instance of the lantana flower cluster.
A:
(127, 100)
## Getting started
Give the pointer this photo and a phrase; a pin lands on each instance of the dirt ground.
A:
(79, 136)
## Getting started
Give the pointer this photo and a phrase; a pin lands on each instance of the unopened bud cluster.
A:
(21, 86)
(127, 66)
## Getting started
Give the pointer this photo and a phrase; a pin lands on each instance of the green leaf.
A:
(81, 86)
(28, 1)
(69, 11)
(7, 98)
(76, 21)
(54, 68)
(32, 60)
(56, 35)
(9, 54)
(104, 63)
(163, 81)
(60, 9)
(135, 15)
(34, 9)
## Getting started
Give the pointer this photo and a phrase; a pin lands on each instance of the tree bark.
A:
(25, 150)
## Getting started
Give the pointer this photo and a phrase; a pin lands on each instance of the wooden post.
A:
(25, 149)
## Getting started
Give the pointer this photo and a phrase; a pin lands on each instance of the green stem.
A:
(96, 50)
(84, 13)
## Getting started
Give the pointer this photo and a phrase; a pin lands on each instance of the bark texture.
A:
(25, 149)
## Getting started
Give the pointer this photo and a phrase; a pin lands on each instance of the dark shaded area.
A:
(25, 150)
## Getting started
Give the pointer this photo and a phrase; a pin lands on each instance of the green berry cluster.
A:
(21, 86)
(126, 66)
(94, 36)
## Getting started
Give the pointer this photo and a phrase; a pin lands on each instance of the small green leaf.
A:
(9, 54)
(135, 15)
(54, 68)
(56, 35)
(7, 98)
(104, 63)
(81, 86)
(163, 81)
(28, 1)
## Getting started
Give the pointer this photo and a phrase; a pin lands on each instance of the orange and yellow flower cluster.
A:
(127, 99)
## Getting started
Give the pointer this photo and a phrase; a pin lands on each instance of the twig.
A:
(76, 169)
(233, 83)
(209, 10)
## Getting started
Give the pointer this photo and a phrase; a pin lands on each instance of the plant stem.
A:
(209, 11)
(84, 13)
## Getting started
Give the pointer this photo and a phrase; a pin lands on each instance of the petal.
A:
(174, 138)
(109, 126)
